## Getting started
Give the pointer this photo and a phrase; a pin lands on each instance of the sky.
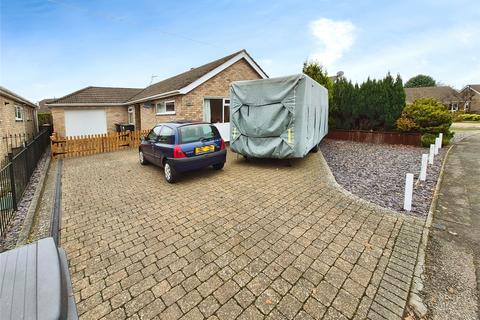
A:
(49, 48)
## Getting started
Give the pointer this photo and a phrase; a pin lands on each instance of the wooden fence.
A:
(67, 147)
(412, 139)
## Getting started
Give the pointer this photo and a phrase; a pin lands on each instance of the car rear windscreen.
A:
(197, 132)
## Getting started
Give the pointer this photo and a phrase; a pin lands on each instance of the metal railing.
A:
(15, 174)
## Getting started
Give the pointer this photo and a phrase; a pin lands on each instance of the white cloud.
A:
(334, 39)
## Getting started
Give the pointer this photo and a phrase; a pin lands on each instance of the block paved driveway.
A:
(256, 240)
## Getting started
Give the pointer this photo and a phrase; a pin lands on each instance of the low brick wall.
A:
(411, 139)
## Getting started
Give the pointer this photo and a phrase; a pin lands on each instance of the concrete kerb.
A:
(415, 300)
(32, 208)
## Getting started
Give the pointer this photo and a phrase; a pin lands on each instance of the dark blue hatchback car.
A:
(183, 146)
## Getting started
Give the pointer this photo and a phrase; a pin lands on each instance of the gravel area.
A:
(41, 227)
(376, 172)
(10, 240)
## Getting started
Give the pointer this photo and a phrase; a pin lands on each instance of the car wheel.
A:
(141, 158)
(169, 172)
(218, 166)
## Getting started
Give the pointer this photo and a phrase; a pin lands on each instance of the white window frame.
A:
(19, 110)
(130, 114)
(225, 104)
(165, 104)
(466, 106)
(454, 106)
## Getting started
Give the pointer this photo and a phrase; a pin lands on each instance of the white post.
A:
(423, 169)
(440, 137)
(430, 155)
(407, 203)
(436, 147)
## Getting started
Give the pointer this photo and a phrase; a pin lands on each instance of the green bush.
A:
(469, 117)
(431, 118)
(44, 118)
(428, 139)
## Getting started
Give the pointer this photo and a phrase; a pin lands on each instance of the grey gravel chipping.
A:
(376, 172)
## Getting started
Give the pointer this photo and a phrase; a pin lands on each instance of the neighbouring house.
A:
(471, 95)
(445, 94)
(18, 118)
(42, 105)
(199, 94)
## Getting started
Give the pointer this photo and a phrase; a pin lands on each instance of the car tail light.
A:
(222, 144)
(177, 152)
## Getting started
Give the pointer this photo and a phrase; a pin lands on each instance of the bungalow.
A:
(200, 94)
(445, 94)
(18, 116)
(471, 95)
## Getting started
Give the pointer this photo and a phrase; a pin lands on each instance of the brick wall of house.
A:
(114, 114)
(9, 125)
(475, 104)
(117, 114)
(190, 106)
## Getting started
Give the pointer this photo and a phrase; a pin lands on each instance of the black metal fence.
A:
(15, 174)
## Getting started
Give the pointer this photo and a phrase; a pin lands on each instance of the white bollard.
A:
(436, 147)
(423, 168)
(440, 137)
(430, 155)
(407, 203)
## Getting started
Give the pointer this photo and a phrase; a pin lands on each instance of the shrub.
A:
(406, 124)
(430, 117)
(44, 118)
(428, 139)
(469, 117)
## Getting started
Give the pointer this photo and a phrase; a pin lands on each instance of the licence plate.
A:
(204, 149)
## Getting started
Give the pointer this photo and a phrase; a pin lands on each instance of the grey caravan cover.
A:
(277, 118)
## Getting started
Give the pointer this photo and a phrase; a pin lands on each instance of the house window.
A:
(18, 113)
(466, 106)
(130, 115)
(217, 110)
(453, 106)
(166, 107)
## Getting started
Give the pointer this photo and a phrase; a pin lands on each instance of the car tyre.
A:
(169, 172)
(141, 158)
(218, 166)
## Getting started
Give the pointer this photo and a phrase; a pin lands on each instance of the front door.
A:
(217, 112)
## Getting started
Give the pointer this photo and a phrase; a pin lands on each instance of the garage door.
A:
(82, 122)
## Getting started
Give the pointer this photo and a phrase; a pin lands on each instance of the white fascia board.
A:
(474, 90)
(469, 87)
(161, 95)
(214, 72)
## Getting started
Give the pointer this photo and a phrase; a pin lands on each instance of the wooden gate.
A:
(67, 147)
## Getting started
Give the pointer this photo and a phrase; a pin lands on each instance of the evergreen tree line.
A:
(372, 105)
